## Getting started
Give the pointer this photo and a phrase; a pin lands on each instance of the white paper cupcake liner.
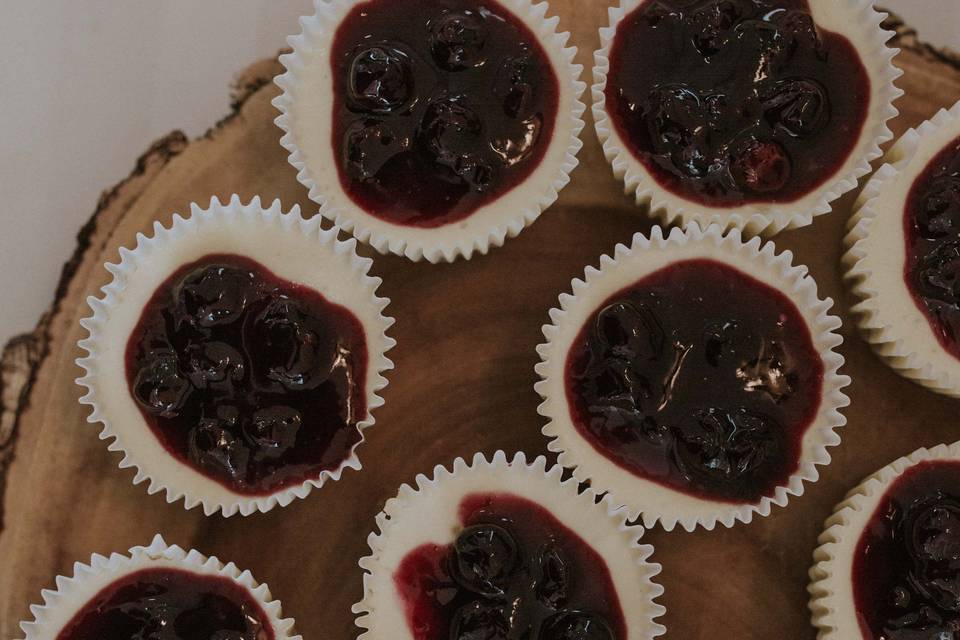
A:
(655, 502)
(427, 513)
(832, 602)
(291, 247)
(887, 314)
(74, 593)
(306, 119)
(861, 24)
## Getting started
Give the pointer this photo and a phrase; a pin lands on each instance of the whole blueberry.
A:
(483, 558)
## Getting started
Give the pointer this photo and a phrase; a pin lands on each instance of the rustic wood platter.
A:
(463, 383)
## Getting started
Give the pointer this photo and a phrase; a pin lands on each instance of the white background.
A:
(87, 85)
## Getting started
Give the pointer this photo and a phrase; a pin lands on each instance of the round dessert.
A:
(513, 571)
(693, 378)
(889, 567)
(170, 603)
(906, 573)
(255, 381)
(730, 102)
(236, 357)
(698, 377)
(439, 107)
(903, 253)
(740, 105)
(156, 592)
(472, 555)
(431, 128)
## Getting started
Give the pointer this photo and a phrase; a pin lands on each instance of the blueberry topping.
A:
(484, 556)
(631, 330)
(931, 224)
(380, 79)
(481, 621)
(516, 84)
(677, 122)
(767, 374)
(697, 377)
(798, 26)
(762, 48)
(672, 113)
(800, 107)
(713, 23)
(553, 581)
(254, 381)
(368, 146)
(624, 401)
(457, 39)
(214, 295)
(160, 387)
(300, 349)
(169, 604)
(729, 341)
(214, 619)
(274, 430)
(906, 566)
(575, 625)
(761, 167)
(214, 446)
(728, 449)
(452, 135)
(440, 107)
(734, 102)
(932, 540)
(661, 14)
(937, 273)
(214, 365)
(926, 624)
(939, 214)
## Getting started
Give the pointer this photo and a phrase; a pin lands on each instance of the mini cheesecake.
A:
(188, 605)
(693, 378)
(889, 564)
(506, 550)
(432, 128)
(697, 377)
(727, 110)
(154, 592)
(254, 381)
(236, 357)
(439, 107)
(903, 255)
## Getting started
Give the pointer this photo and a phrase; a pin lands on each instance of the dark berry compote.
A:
(932, 232)
(514, 572)
(697, 377)
(906, 571)
(735, 102)
(169, 604)
(439, 107)
(256, 382)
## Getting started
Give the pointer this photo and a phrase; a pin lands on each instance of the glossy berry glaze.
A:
(169, 604)
(906, 571)
(697, 377)
(514, 572)
(932, 232)
(254, 381)
(439, 107)
(734, 102)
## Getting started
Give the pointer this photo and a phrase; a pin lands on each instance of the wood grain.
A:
(463, 382)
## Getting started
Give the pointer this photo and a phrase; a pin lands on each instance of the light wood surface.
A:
(463, 383)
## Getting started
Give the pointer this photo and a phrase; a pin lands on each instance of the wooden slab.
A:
(463, 383)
